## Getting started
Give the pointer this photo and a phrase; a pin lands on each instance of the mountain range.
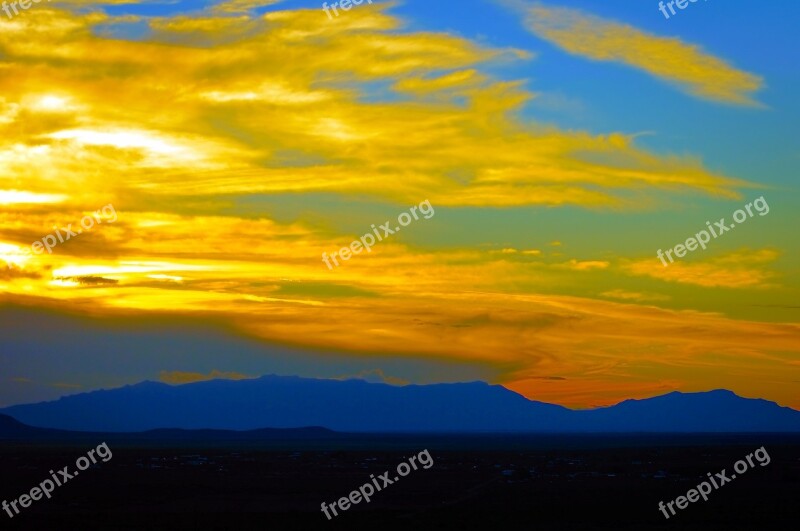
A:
(356, 406)
(12, 429)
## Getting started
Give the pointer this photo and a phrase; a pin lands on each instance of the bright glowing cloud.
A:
(20, 197)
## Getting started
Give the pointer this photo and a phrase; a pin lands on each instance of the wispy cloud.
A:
(178, 377)
(669, 58)
(740, 269)
(242, 122)
(626, 295)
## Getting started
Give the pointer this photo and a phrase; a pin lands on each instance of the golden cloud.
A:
(626, 295)
(670, 59)
(241, 121)
(739, 269)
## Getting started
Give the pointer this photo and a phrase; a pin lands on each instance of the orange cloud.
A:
(177, 377)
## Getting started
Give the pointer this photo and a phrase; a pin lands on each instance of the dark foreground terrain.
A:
(476, 482)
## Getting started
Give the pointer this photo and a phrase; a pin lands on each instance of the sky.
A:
(217, 152)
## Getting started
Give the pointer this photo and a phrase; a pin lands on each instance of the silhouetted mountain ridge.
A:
(281, 402)
(12, 429)
(10, 426)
